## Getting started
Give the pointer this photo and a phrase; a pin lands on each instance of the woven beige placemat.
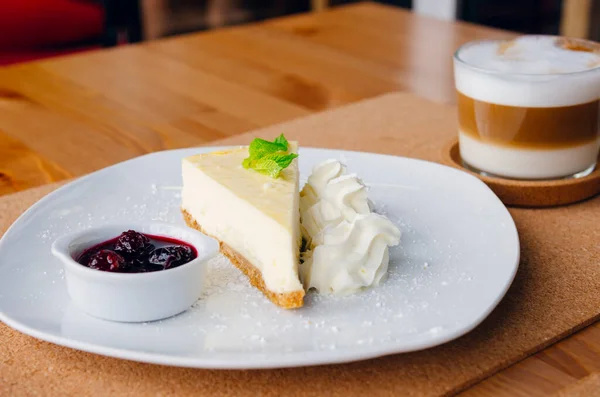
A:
(556, 291)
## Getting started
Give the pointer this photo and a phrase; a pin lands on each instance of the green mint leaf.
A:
(282, 141)
(269, 158)
(273, 164)
(247, 163)
(260, 147)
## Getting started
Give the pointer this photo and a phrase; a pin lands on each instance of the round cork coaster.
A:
(544, 193)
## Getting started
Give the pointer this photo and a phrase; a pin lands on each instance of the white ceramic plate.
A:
(458, 255)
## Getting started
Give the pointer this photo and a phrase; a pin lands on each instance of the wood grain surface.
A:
(69, 116)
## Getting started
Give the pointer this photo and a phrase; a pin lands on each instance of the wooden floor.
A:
(66, 117)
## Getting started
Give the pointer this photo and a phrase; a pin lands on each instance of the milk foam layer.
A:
(528, 54)
(530, 71)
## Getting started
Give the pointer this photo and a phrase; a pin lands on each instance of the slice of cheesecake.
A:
(255, 218)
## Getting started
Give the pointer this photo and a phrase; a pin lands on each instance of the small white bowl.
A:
(134, 297)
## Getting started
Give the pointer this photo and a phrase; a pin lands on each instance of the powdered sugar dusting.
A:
(231, 315)
(429, 291)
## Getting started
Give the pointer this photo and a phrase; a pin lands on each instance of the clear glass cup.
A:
(529, 108)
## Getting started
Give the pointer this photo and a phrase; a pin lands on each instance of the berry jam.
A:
(133, 252)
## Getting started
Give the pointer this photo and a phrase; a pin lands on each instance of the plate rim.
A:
(283, 361)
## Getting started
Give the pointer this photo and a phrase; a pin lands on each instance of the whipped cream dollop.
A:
(347, 245)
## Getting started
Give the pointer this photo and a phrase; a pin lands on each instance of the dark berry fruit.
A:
(146, 268)
(106, 260)
(133, 252)
(170, 257)
(132, 244)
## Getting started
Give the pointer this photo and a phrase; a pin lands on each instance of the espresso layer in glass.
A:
(529, 127)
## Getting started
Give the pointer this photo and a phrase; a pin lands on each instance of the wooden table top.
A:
(69, 116)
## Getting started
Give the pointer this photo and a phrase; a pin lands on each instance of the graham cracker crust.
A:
(288, 300)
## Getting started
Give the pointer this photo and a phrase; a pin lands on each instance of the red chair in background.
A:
(35, 29)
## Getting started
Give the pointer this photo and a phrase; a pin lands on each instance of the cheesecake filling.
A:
(265, 243)
(347, 245)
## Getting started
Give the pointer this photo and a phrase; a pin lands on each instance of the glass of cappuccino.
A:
(529, 108)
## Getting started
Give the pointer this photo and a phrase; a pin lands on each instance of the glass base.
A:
(579, 174)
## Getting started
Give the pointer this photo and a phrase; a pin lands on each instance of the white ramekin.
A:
(134, 297)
